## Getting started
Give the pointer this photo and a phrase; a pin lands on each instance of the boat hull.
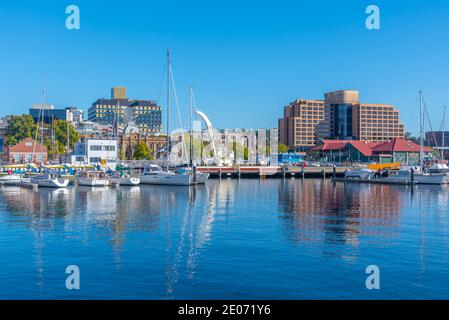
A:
(10, 179)
(126, 181)
(167, 179)
(51, 183)
(201, 177)
(422, 179)
(92, 182)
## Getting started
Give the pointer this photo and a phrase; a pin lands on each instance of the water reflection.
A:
(338, 213)
(178, 225)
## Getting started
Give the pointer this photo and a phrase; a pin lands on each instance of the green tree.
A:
(142, 151)
(20, 127)
(59, 145)
(282, 148)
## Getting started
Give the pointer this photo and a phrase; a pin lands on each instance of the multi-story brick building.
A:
(339, 116)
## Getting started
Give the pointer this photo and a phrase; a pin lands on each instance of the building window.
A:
(95, 148)
(109, 148)
(95, 159)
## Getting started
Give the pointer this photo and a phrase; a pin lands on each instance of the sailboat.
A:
(154, 174)
(50, 179)
(198, 177)
(419, 173)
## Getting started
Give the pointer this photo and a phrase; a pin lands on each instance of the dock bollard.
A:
(334, 171)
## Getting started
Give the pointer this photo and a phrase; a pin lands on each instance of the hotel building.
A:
(119, 110)
(339, 116)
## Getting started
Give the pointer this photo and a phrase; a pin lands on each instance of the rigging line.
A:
(428, 118)
(39, 116)
(179, 113)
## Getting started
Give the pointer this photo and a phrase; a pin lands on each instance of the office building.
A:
(49, 113)
(120, 111)
(339, 116)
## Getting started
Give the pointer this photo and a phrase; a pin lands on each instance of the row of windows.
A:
(102, 148)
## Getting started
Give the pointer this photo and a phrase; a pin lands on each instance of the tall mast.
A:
(442, 132)
(68, 137)
(421, 129)
(43, 113)
(191, 128)
(168, 109)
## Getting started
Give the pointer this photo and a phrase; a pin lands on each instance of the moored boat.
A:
(153, 174)
(125, 180)
(359, 174)
(50, 179)
(92, 179)
(10, 178)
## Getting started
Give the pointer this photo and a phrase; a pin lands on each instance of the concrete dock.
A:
(272, 172)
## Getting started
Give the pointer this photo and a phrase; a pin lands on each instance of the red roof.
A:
(27, 146)
(399, 145)
(368, 148)
(363, 147)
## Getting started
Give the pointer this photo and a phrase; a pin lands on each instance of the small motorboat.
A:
(92, 179)
(49, 179)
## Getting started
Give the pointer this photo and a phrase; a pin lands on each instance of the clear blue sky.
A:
(245, 59)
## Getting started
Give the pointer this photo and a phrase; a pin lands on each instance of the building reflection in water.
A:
(328, 213)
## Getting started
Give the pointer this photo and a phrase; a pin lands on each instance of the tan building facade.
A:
(339, 116)
(129, 141)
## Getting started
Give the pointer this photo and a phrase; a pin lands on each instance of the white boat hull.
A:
(50, 183)
(201, 177)
(92, 182)
(132, 181)
(167, 179)
(10, 179)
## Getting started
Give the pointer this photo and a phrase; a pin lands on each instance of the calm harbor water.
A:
(230, 239)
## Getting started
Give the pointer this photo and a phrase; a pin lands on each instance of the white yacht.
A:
(92, 179)
(50, 179)
(153, 174)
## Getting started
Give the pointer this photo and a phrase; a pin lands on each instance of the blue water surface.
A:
(230, 239)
